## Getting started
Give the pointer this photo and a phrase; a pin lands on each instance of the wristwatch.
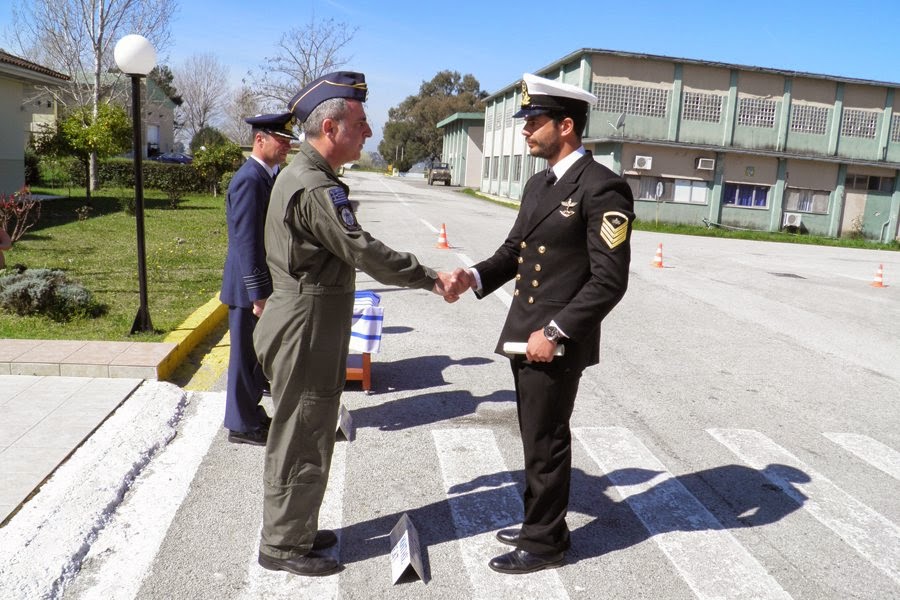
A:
(552, 333)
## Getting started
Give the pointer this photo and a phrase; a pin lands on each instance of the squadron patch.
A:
(614, 228)
(344, 210)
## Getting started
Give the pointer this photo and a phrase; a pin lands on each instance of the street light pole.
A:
(142, 321)
(136, 57)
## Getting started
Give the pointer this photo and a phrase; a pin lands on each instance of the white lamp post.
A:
(136, 57)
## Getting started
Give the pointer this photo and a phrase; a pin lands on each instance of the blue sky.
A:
(398, 45)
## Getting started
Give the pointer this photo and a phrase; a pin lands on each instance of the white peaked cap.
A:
(540, 96)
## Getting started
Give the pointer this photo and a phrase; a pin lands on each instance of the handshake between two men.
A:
(452, 285)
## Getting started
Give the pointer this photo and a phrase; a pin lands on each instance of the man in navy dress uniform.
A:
(568, 252)
(246, 282)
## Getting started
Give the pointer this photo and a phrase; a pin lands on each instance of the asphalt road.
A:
(739, 439)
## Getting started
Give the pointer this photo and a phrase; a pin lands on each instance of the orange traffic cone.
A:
(657, 260)
(442, 239)
(878, 280)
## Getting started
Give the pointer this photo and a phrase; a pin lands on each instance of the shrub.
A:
(55, 172)
(175, 180)
(856, 228)
(47, 292)
(225, 181)
(32, 171)
(212, 162)
(84, 212)
(76, 172)
(117, 172)
(18, 213)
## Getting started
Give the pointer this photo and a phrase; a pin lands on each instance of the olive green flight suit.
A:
(313, 247)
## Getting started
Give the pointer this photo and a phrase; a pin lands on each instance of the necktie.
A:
(550, 176)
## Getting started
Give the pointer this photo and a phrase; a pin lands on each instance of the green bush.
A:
(47, 292)
(212, 162)
(55, 172)
(174, 180)
(225, 181)
(117, 172)
(32, 171)
(76, 173)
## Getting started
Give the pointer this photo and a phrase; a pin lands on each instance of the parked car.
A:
(174, 157)
(438, 172)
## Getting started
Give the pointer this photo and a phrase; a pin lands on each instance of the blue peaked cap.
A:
(281, 124)
(341, 84)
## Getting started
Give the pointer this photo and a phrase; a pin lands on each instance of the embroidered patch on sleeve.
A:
(343, 209)
(614, 228)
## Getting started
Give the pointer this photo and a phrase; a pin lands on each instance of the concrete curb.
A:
(189, 334)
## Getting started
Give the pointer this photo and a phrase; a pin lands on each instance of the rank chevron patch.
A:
(614, 228)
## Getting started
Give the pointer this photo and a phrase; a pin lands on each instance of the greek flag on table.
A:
(365, 330)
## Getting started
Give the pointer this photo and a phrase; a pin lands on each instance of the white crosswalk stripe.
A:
(872, 451)
(467, 455)
(710, 559)
(126, 548)
(869, 533)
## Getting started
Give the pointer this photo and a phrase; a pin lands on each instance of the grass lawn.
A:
(185, 250)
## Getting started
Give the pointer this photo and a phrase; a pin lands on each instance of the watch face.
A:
(551, 333)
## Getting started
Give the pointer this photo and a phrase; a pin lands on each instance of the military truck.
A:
(438, 172)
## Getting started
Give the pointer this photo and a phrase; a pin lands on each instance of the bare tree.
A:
(77, 37)
(242, 104)
(202, 82)
(303, 54)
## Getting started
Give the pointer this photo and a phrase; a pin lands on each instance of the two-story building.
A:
(740, 146)
(17, 113)
(157, 118)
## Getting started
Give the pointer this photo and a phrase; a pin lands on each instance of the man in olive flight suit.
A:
(314, 244)
(569, 252)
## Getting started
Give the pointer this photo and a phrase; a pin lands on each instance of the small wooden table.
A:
(359, 368)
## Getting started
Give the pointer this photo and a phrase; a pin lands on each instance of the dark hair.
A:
(579, 119)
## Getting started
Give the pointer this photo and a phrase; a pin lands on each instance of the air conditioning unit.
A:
(643, 162)
(706, 164)
(792, 220)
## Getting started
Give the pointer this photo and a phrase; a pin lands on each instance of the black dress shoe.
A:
(509, 536)
(255, 438)
(312, 564)
(325, 538)
(521, 561)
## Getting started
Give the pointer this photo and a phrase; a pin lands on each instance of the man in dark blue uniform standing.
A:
(246, 282)
(569, 252)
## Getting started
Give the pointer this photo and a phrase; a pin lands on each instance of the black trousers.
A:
(244, 386)
(545, 397)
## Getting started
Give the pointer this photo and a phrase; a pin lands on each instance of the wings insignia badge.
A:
(568, 205)
(614, 229)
